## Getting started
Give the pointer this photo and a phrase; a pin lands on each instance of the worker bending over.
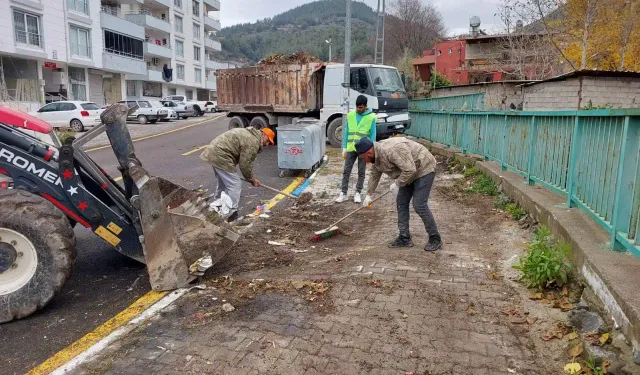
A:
(360, 123)
(235, 147)
(413, 167)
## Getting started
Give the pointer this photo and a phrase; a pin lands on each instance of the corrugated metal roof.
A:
(521, 82)
(590, 73)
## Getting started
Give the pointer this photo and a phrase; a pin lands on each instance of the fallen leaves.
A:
(594, 338)
(575, 351)
(556, 332)
(572, 368)
(493, 275)
(572, 336)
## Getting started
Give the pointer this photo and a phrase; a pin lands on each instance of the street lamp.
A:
(329, 43)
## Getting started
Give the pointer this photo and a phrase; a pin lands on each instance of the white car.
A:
(76, 115)
(211, 106)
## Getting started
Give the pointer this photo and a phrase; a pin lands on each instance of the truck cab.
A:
(384, 89)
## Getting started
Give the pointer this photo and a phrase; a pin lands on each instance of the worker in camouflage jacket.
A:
(413, 168)
(236, 147)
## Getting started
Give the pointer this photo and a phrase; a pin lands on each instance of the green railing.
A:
(591, 157)
(470, 102)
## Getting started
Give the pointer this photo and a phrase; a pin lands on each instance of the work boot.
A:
(401, 242)
(357, 198)
(341, 198)
(233, 217)
(434, 244)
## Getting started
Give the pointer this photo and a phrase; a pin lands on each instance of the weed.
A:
(591, 364)
(470, 172)
(515, 211)
(483, 184)
(501, 202)
(546, 262)
(64, 134)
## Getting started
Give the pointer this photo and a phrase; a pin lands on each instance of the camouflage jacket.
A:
(235, 147)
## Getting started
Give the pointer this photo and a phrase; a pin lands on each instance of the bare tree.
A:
(629, 12)
(412, 25)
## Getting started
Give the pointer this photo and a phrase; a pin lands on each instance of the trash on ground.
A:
(227, 307)
(222, 205)
(274, 243)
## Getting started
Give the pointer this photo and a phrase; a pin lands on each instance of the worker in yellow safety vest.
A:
(360, 123)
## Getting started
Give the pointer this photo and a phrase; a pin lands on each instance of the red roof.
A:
(23, 120)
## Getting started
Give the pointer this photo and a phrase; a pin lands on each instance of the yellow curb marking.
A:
(195, 149)
(91, 338)
(289, 189)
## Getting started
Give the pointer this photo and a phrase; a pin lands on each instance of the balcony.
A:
(159, 3)
(109, 19)
(155, 76)
(210, 84)
(212, 44)
(154, 50)
(115, 61)
(212, 5)
(150, 22)
(211, 24)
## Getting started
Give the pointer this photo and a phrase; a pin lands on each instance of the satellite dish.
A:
(474, 21)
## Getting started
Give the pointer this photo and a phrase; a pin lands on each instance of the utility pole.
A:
(347, 69)
(379, 52)
(329, 41)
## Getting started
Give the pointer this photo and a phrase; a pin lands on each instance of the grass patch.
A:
(63, 134)
(483, 184)
(546, 262)
(502, 201)
(515, 211)
(471, 172)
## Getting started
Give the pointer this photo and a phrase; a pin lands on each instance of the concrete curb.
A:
(613, 277)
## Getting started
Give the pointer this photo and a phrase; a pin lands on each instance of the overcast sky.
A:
(456, 13)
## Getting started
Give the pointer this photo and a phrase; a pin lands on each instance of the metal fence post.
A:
(575, 152)
(503, 157)
(484, 143)
(532, 141)
(431, 127)
(464, 133)
(447, 131)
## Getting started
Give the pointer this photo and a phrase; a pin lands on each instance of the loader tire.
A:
(42, 245)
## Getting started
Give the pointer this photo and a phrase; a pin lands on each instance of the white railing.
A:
(31, 39)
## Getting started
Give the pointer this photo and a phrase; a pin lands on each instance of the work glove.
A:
(344, 154)
(367, 201)
(394, 189)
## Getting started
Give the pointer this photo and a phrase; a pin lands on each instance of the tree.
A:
(411, 25)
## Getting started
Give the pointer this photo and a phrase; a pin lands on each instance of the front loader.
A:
(46, 188)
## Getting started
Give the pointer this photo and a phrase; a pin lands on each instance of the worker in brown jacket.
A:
(413, 168)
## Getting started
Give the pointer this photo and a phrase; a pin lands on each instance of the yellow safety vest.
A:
(356, 131)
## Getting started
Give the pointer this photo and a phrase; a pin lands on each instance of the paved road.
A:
(105, 282)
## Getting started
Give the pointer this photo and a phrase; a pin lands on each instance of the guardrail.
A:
(468, 102)
(591, 157)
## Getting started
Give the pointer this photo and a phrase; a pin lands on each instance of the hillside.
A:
(304, 28)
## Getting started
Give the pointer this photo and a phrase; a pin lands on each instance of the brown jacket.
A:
(238, 146)
(401, 159)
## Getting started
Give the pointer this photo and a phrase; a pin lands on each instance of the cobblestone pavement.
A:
(387, 312)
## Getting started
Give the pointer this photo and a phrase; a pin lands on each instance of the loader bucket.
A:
(180, 237)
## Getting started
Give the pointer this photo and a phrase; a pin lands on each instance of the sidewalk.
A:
(350, 305)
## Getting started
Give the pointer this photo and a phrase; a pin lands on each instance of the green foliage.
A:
(546, 262)
(470, 172)
(305, 29)
(591, 107)
(483, 184)
(501, 202)
(439, 81)
(591, 364)
(515, 211)
(64, 134)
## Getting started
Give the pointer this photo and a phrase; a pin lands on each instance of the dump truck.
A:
(47, 187)
(269, 95)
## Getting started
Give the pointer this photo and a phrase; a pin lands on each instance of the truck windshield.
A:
(385, 79)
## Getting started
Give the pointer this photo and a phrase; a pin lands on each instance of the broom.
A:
(332, 229)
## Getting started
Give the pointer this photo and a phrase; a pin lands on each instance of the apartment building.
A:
(106, 50)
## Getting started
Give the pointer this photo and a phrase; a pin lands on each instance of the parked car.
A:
(199, 107)
(77, 115)
(146, 111)
(211, 106)
(183, 110)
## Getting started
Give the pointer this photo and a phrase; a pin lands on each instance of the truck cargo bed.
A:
(271, 88)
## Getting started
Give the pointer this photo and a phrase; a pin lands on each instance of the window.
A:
(78, 83)
(196, 8)
(178, 21)
(81, 6)
(177, 3)
(359, 80)
(27, 29)
(53, 107)
(189, 94)
(198, 75)
(439, 52)
(131, 88)
(450, 51)
(132, 103)
(179, 48)
(180, 71)
(172, 91)
(144, 103)
(80, 41)
(152, 89)
(67, 107)
(196, 31)
(90, 106)
(459, 52)
(196, 53)
(123, 45)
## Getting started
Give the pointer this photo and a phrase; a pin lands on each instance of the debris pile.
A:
(296, 58)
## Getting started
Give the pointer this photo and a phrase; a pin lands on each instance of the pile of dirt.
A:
(296, 58)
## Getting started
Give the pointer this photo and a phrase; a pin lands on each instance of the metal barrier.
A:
(591, 157)
(469, 102)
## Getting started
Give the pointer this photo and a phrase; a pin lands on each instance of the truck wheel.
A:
(334, 133)
(142, 119)
(37, 252)
(238, 122)
(259, 122)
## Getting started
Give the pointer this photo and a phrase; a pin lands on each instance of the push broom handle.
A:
(274, 190)
(356, 211)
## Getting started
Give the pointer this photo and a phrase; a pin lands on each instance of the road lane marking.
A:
(160, 134)
(94, 337)
(195, 149)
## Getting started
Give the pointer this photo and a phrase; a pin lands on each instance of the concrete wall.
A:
(498, 95)
(600, 91)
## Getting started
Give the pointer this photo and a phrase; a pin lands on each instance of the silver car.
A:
(183, 109)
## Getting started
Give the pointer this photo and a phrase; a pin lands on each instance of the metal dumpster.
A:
(301, 146)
